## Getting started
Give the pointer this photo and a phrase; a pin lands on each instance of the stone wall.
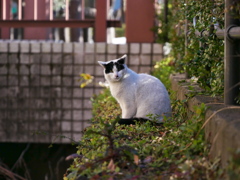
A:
(222, 123)
(40, 97)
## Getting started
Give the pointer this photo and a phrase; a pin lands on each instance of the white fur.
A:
(138, 94)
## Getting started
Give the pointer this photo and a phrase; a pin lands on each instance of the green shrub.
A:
(203, 57)
(108, 150)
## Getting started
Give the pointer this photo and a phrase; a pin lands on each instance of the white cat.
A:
(139, 95)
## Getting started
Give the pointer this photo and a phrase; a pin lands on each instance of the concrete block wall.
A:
(222, 128)
(40, 97)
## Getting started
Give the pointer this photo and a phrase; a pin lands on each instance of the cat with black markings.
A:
(139, 95)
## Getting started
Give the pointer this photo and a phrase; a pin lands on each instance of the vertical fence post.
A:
(5, 15)
(186, 40)
(101, 20)
(231, 59)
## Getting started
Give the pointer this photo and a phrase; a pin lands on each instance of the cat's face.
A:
(114, 70)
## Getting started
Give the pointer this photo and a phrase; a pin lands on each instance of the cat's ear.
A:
(123, 59)
(103, 64)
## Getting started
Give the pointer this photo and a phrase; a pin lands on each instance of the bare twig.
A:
(20, 157)
(10, 174)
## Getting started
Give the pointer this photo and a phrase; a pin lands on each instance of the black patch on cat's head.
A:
(122, 60)
(108, 67)
(119, 66)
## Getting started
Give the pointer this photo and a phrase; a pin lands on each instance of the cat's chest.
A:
(123, 90)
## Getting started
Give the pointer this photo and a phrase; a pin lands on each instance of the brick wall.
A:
(39, 87)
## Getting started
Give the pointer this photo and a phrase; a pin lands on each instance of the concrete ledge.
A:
(222, 127)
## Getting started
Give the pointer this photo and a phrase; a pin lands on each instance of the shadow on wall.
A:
(36, 161)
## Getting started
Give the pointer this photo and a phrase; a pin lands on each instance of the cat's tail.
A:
(135, 120)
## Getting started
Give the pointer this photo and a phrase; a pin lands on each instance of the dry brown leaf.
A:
(136, 159)
(111, 165)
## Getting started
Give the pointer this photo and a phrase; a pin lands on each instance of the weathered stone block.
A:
(46, 47)
(135, 68)
(57, 59)
(77, 115)
(66, 114)
(134, 48)
(66, 92)
(24, 59)
(66, 81)
(99, 71)
(3, 70)
(66, 103)
(76, 82)
(13, 58)
(3, 94)
(146, 48)
(66, 126)
(36, 59)
(67, 47)
(68, 70)
(77, 126)
(46, 58)
(88, 92)
(45, 93)
(77, 103)
(89, 70)
(89, 48)
(13, 70)
(79, 59)
(14, 47)
(89, 59)
(34, 69)
(77, 69)
(45, 70)
(77, 92)
(3, 81)
(3, 58)
(87, 104)
(12, 80)
(133, 60)
(100, 57)
(78, 48)
(157, 48)
(67, 59)
(3, 46)
(112, 48)
(35, 47)
(24, 81)
(87, 115)
(100, 48)
(111, 57)
(86, 124)
(24, 70)
(56, 80)
(67, 137)
(145, 69)
(45, 81)
(123, 49)
(56, 69)
(77, 136)
(57, 47)
(146, 60)
(158, 57)
(25, 47)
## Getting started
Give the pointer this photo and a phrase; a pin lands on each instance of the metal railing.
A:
(100, 23)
